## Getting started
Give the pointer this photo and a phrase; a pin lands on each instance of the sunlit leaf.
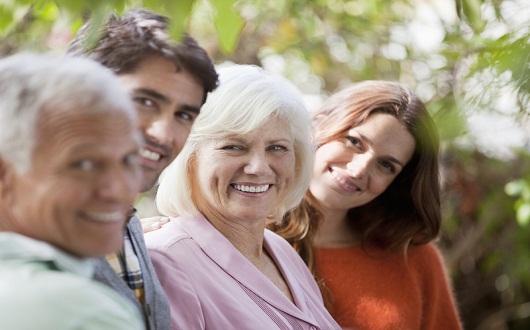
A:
(74, 7)
(472, 13)
(178, 11)
(523, 215)
(514, 188)
(450, 123)
(6, 18)
(228, 24)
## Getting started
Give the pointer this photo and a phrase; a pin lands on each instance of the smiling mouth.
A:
(344, 182)
(150, 155)
(251, 189)
(104, 216)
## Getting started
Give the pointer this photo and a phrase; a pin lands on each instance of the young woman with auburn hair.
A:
(366, 225)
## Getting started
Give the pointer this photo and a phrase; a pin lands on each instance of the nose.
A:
(359, 165)
(163, 131)
(258, 164)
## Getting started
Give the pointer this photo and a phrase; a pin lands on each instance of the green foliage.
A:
(228, 23)
(520, 188)
(18, 17)
(471, 13)
(178, 11)
(6, 17)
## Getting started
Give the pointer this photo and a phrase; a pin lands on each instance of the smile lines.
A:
(251, 189)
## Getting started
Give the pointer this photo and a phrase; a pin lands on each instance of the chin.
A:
(146, 186)
(101, 252)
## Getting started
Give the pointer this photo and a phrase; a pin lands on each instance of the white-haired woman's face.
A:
(245, 177)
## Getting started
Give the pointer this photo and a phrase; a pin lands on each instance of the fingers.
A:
(153, 223)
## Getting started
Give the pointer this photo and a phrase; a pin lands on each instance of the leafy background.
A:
(467, 59)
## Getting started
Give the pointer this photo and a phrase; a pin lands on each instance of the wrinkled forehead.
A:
(64, 127)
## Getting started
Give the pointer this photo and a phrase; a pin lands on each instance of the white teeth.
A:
(252, 189)
(154, 156)
(105, 217)
(341, 180)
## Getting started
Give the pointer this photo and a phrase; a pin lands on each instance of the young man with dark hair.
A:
(168, 82)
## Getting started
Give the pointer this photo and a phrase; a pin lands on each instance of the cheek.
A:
(47, 205)
(181, 136)
(144, 121)
(380, 185)
(286, 169)
(208, 179)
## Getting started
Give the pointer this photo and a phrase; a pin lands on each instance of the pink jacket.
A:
(211, 285)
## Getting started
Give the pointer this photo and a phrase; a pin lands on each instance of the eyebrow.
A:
(281, 140)
(162, 98)
(389, 157)
(92, 146)
(242, 139)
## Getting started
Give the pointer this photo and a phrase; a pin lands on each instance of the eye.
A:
(277, 148)
(232, 147)
(388, 167)
(185, 115)
(84, 165)
(144, 102)
(352, 141)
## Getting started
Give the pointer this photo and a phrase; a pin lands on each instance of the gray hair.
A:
(30, 83)
(246, 99)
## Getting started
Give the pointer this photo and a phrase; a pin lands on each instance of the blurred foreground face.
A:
(84, 178)
(167, 102)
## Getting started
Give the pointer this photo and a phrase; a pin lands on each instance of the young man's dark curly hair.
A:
(124, 41)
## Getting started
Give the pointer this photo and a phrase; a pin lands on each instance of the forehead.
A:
(273, 129)
(156, 68)
(63, 130)
(387, 134)
(158, 77)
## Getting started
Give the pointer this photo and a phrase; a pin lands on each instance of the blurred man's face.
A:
(84, 178)
(167, 102)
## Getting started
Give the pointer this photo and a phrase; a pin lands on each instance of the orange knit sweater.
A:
(378, 292)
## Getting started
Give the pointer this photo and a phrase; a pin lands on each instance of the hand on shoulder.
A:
(153, 223)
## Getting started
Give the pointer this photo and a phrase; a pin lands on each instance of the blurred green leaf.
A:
(514, 188)
(228, 24)
(46, 11)
(74, 7)
(472, 12)
(178, 11)
(450, 123)
(523, 215)
(6, 18)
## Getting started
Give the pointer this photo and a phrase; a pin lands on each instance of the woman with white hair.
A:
(247, 161)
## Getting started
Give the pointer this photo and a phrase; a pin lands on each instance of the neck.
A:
(246, 237)
(335, 231)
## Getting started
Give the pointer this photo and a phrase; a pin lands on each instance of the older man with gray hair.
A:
(68, 175)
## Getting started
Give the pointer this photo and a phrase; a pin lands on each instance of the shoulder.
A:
(64, 300)
(135, 226)
(172, 248)
(167, 236)
(427, 261)
(425, 253)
